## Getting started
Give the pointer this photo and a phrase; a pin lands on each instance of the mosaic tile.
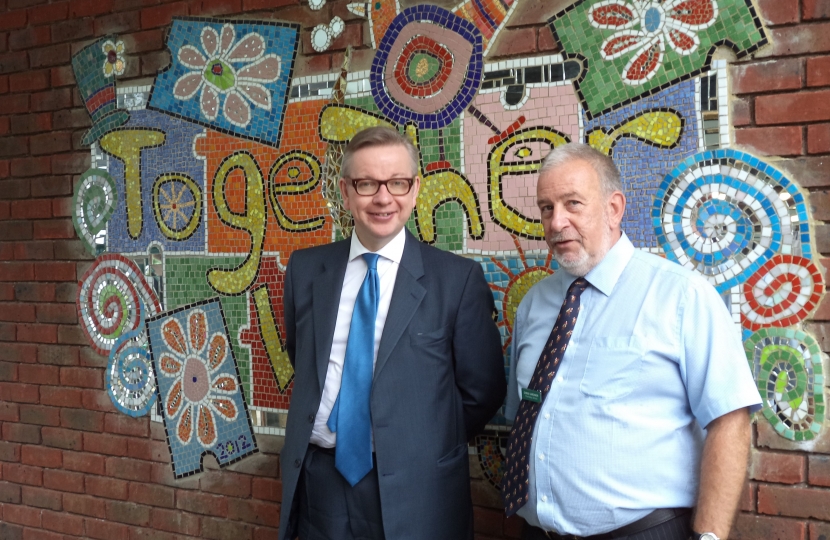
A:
(489, 16)
(637, 47)
(129, 377)
(787, 368)
(782, 292)
(92, 206)
(632, 135)
(95, 67)
(323, 34)
(491, 449)
(232, 76)
(380, 15)
(725, 213)
(200, 390)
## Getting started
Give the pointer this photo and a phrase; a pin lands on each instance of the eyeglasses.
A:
(395, 186)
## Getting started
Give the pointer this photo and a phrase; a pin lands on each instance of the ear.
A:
(615, 208)
(416, 187)
(344, 193)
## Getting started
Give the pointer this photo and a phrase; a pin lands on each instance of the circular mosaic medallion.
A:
(428, 67)
(109, 300)
(93, 205)
(130, 380)
(787, 368)
(724, 214)
(491, 457)
(781, 293)
(177, 205)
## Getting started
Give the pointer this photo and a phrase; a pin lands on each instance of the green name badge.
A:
(531, 395)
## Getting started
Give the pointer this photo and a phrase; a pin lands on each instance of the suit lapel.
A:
(406, 297)
(325, 303)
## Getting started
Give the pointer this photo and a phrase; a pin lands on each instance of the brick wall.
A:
(72, 466)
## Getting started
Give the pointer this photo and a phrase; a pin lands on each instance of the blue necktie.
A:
(350, 417)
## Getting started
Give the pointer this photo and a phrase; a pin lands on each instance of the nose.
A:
(558, 221)
(382, 196)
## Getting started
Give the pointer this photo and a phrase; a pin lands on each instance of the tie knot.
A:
(371, 260)
(578, 286)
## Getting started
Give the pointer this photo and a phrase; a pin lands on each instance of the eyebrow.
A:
(568, 195)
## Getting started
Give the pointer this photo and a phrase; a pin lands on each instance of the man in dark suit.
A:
(397, 364)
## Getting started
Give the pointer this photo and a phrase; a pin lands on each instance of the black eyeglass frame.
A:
(354, 182)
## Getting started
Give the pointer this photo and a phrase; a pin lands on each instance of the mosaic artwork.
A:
(204, 183)
(202, 403)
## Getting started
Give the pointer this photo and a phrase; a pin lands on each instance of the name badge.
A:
(531, 395)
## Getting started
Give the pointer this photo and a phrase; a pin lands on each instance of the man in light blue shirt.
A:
(647, 413)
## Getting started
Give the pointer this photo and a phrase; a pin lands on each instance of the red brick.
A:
(41, 456)
(111, 445)
(84, 462)
(545, 41)
(70, 164)
(88, 8)
(6, 290)
(24, 433)
(16, 312)
(50, 143)
(815, 9)
(175, 522)
(15, 103)
(104, 530)
(7, 331)
(39, 415)
(260, 513)
(800, 39)
(771, 141)
(53, 228)
(49, 13)
(128, 469)
(149, 534)
(35, 292)
(60, 397)
(51, 100)
(14, 62)
(152, 495)
(30, 81)
(9, 493)
(779, 74)
(30, 209)
(215, 7)
(66, 292)
(49, 56)
(72, 30)
(61, 355)
(108, 488)
(775, 12)
(148, 450)
(14, 146)
(9, 452)
(794, 502)
(37, 333)
(818, 138)
(515, 41)
(819, 474)
(117, 23)
(84, 505)
(23, 474)
(62, 76)
(252, 5)
(66, 439)
(39, 250)
(163, 475)
(16, 271)
(90, 358)
(226, 483)
(96, 400)
(41, 498)
(64, 208)
(19, 392)
(8, 372)
(57, 313)
(156, 16)
(29, 37)
(266, 489)
(22, 515)
(127, 512)
(63, 480)
(154, 62)
(63, 523)
(31, 166)
(818, 71)
(777, 467)
(72, 335)
(202, 503)
(82, 420)
(13, 19)
(222, 529)
(819, 531)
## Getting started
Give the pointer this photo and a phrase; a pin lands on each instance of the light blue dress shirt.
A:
(654, 356)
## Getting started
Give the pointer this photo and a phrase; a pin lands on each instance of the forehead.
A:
(387, 155)
(571, 177)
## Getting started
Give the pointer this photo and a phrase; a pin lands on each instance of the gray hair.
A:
(607, 171)
(378, 136)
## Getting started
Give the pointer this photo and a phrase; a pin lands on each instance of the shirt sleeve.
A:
(714, 366)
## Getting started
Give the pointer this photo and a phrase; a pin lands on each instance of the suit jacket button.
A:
(310, 418)
(297, 463)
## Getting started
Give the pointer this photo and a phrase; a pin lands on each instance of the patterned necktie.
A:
(514, 486)
(350, 417)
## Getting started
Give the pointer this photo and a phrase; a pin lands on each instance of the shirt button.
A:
(547, 416)
(310, 418)
(541, 457)
(297, 463)
(544, 498)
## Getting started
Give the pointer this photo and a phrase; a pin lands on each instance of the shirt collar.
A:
(392, 251)
(605, 275)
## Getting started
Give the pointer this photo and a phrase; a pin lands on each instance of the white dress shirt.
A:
(388, 262)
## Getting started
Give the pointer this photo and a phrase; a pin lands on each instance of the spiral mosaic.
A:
(724, 214)
(92, 206)
(781, 293)
(109, 300)
(787, 368)
(129, 377)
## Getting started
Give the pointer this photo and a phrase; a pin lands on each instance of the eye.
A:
(523, 152)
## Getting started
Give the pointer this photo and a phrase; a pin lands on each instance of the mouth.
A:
(382, 215)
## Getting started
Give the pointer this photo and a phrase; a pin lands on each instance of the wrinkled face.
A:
(581, 224)
(380, 217)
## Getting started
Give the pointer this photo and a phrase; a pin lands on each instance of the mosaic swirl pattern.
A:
(781, 293)
(724, 214)
(92, 206)
(489, 448)
(428, 67)
(109, 301)
(787, 368)
(129, 377)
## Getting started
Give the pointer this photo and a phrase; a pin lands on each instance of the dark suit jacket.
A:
(439, 377)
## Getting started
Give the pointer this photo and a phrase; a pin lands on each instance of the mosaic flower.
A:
(197, 397)
(644, 26)
(114, 63)
(214, 74)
